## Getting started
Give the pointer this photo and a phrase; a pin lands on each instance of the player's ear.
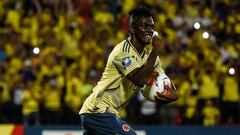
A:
(131, 29)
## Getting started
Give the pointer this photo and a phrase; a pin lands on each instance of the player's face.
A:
(144, 30)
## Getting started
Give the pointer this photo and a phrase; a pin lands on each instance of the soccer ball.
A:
(155, 84)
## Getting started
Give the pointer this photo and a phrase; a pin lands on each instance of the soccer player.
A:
(129, 67)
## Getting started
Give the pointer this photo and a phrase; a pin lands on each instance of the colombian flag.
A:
(10, 129)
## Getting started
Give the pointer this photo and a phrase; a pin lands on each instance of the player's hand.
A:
(152, 78)
(157, 43)
(167, 96)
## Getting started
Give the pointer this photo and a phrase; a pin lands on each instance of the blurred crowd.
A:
(52, 53)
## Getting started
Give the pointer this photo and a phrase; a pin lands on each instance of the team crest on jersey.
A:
(126, 62)
(125, 127)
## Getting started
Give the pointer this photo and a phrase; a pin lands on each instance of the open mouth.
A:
(148, 36)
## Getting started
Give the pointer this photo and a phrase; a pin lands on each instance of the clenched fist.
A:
(157, 43)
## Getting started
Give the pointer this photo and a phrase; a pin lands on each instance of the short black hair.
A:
(138, 13)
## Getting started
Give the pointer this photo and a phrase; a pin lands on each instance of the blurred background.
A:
(52, 53)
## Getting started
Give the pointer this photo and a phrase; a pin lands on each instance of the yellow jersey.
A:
(114, 88)
(31, 104)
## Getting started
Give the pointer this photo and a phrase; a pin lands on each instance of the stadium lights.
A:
(205, 35)
(231, 71)
(36, 50)
(197, 25)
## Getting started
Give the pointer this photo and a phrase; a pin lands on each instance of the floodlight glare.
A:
(205, 35)
(196, 25)
(36, 50)
(231, 71)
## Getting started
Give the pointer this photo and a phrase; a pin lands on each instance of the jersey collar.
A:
(140, 55)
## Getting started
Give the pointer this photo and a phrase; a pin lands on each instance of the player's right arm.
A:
(141, 75)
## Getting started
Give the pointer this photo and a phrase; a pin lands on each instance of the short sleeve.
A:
(125, 63)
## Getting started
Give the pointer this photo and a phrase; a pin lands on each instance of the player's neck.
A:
(137, 45)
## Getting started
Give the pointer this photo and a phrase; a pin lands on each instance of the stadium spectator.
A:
(30, 100)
